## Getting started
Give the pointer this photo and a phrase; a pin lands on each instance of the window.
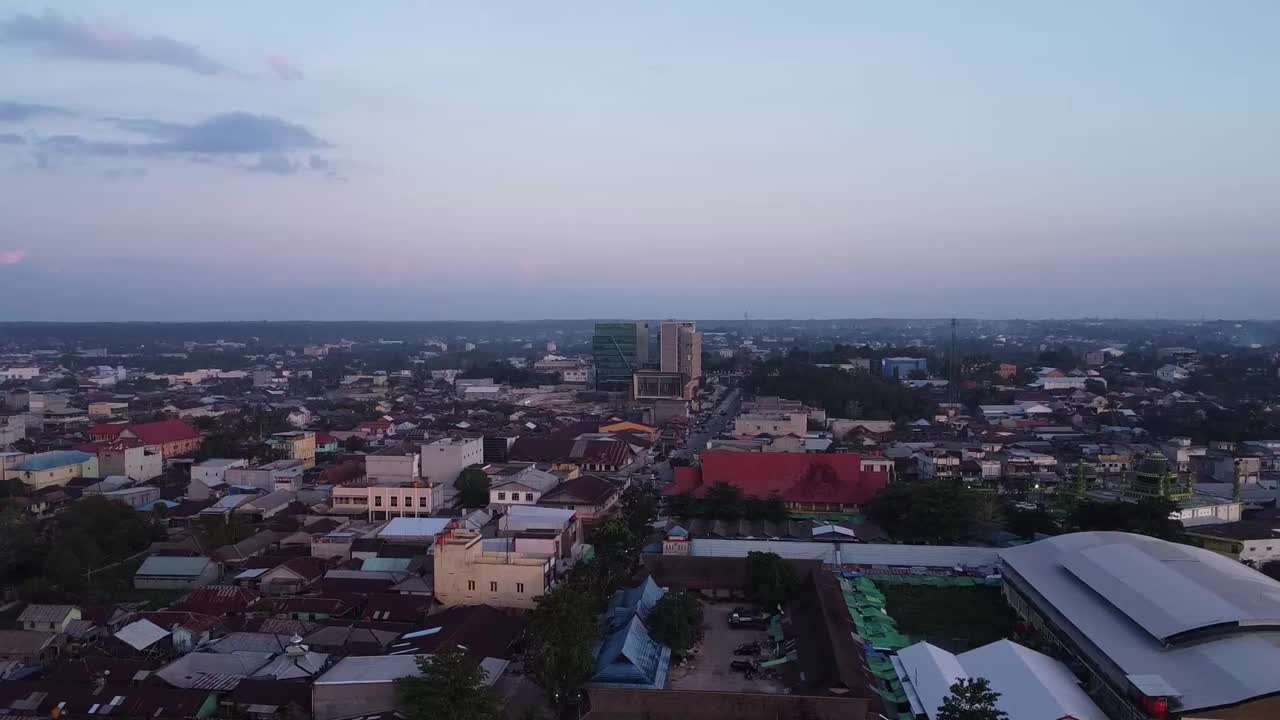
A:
(471, 584)
(377, 501)
(502, 496)
(520, 588)
(493, 587)
(528, 497)
(422, 502)
(395, 501)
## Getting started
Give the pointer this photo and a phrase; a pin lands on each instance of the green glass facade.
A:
(619, 349)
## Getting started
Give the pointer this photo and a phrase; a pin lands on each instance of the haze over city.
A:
(321, 160)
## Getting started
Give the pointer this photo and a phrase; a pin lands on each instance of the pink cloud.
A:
(12, 257)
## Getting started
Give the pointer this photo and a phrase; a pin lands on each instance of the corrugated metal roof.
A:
(54, 459)
(173, 566)
(1032, 686)
(1210, 672)
(141, 634)
(853, 553)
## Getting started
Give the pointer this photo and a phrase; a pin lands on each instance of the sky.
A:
(475, 160)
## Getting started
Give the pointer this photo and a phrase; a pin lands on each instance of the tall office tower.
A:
(618, 350)
(680, 345)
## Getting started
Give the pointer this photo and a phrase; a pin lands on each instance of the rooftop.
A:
(406, 527)
(54, 459)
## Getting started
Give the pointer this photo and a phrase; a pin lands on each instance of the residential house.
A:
(130, 458)
(366, 686)
(30, 646)
(296, 445)
(518, 484)
(275, 475)
(175, 573)
(326, 444)
(210, 474)
(293, 577)
(1172, 374)
(590, 496)
(48, 618)
(473, 570)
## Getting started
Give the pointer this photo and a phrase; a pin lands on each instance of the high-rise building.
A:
(618, 350)
(680, 345)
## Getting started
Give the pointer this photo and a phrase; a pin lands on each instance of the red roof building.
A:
(174, 437)
(806, 482)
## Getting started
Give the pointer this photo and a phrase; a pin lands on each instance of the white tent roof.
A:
(141, 634)
(1032, 686)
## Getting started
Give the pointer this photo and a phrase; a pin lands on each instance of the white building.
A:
(19, 373)
(1171, 374)
(444, 459)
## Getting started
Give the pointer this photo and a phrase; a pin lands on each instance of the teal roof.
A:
(381, 564)
(173, 566)
(54, 459)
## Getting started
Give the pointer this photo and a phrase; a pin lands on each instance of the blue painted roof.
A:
(638, 600)
(629, 657)
(54, 459)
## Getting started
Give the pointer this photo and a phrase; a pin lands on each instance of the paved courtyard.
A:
(709, 669)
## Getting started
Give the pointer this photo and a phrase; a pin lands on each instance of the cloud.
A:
(241, 132)
(127, 173)
(146, 126)
(11, 111)
(72, 37)
(275, 164)
(284, 69)
(257, 143)
(12, 257)
(12, 139)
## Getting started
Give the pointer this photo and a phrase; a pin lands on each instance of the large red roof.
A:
(156, 433)
(797, 477)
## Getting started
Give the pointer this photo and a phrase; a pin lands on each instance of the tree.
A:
(639, 508)
(473, 488)
(1148, 516)
(770, 579)
(723, 502)
(558, 645)
(971, 699)
(617, 551)
(355, 444)
(450, 685)
(676, 621)
(941, 512)
(772, 508)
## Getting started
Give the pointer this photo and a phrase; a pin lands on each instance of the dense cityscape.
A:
(617, 519)
(639, 360)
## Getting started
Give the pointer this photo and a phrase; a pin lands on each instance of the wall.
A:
(455, 568)
(134, 463)
(443, 461)
(781, 424)
(214, 475)
(59, 476)
(329, 702)
(392, 468)
(675, 705)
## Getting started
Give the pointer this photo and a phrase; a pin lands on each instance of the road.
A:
(716, 422)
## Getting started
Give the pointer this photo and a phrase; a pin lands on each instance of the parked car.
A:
(746, 667)
(744, 617)
(751, 648)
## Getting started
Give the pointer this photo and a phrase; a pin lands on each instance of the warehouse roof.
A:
(1201, 624)
(54, 459)
(173, 566)
(1032, 686)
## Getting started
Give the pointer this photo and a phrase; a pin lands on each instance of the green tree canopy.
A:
(939, 512)
(676, 621)
(771, 579)
(558, 644)
(971, 699)
(1148, 516)
(473, 488)
(723, 502)
(451, 685)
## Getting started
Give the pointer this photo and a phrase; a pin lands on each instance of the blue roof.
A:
(638, 600)
(54, 459)
(629, 657)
